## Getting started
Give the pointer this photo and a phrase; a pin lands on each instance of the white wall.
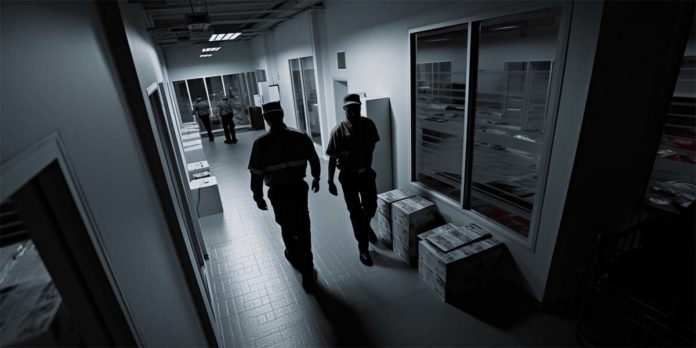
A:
(184, 62)
(57, 77)
(374, 36)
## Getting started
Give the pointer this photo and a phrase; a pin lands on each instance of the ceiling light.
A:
(224, 36)
(215, 49)
(206, 55)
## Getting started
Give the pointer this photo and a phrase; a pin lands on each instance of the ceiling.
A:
(169, 20)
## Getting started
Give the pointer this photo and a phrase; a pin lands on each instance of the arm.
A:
(332, 168)
(255, 167)
(314, 165)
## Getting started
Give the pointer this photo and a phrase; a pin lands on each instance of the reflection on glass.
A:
(673, 181)
(183, 101)
(235, 89)
(311, 103)
(296, 76)
(516, 55)
(441, 58)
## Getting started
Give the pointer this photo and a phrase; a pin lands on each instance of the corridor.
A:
(260, 301)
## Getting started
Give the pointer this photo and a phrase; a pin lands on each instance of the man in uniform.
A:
(279, 158)
(350, 149)
(202, 110)
(227, 118)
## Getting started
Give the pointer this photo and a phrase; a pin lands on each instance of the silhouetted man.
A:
(350, 149)
(279, 158)
(202, 110)
(227, 117)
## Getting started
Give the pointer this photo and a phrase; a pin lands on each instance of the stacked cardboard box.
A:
(455, 260)
(410, 217)
(382, 219)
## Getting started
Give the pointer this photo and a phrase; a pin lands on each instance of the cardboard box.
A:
(206, 196)
(386, 199)
(198, 167)
(455, 273)
(412, 212)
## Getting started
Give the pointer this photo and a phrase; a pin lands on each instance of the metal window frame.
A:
(555, 86)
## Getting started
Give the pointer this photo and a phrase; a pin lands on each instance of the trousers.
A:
(228, 126)
(292, 214)
(360, 193)
(206, 123)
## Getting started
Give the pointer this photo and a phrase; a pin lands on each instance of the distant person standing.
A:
(350, 149)
(227, 117)
(202, 110)
(280, 158)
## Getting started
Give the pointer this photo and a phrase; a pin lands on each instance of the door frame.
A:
(43, 174)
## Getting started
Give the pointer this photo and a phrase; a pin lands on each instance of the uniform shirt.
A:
(225, 108)
(201, 108)
(281, 156)
(353, 145)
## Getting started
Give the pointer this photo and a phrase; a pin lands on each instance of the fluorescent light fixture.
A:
(205, 55)
(224, 36)
(215, 49)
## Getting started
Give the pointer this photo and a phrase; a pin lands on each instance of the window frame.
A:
(554, 97)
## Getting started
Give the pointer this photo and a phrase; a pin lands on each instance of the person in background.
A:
(202, 110)
(227, 117)
(280, 158)
(350, 149)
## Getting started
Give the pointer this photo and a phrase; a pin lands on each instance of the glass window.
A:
(440, 108)
(515, 60)
(183, 101)
(215, 94)
(196, 89)
(672, 184)
(236, 90)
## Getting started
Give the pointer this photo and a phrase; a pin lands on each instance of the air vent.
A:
(341, 56)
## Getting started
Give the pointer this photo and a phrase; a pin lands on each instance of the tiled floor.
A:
(260, 301)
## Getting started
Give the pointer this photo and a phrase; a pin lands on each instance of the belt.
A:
(285, 165)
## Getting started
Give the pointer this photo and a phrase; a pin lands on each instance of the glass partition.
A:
(305, 96)
(296, 79)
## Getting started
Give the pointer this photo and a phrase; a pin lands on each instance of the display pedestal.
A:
(198, 167)
(206, 196)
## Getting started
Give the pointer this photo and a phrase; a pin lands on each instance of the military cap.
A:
(272, 107)
(351, 99)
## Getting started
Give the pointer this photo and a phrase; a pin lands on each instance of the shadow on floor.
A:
(347, 325)
(500, 304)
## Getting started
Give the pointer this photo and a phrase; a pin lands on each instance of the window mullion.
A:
(471, 80)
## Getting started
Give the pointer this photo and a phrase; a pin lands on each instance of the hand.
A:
(315, 185)
(332, 188)
(261, 203)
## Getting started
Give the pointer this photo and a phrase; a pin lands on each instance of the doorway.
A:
(340, 91)
(56, 284)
